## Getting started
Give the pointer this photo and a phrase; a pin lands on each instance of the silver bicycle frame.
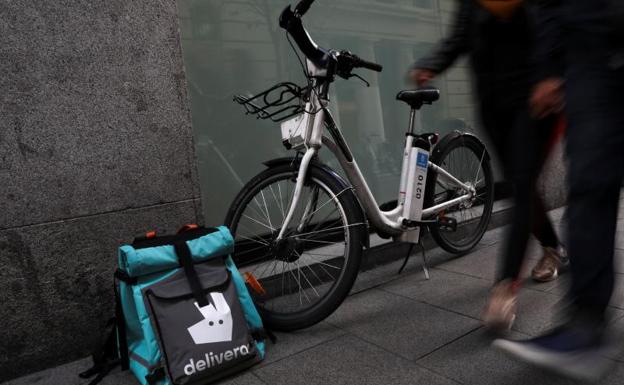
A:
(389, 222)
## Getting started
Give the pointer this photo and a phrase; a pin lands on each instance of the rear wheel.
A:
(466, 158)
(301, 279)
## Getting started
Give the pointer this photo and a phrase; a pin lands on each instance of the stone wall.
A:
(95, 147)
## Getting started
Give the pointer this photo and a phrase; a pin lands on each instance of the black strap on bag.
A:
(263, 334)
(122, 341)
(113, 350)
(155, 376)
(184, 256)
(104, 357)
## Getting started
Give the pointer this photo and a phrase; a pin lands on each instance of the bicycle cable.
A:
(305, 73)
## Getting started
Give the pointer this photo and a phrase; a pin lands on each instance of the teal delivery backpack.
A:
(183, 314)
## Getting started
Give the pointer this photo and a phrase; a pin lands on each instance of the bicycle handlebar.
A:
(361, 63)
(291, 21)
(303, 7)
(293, 25)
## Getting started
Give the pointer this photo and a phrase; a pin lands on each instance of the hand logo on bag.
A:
(217, 324)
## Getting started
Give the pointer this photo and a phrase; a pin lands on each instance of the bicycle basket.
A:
(278, 103)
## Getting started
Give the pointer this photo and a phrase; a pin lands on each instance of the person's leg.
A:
(542, 225)
(592, 218)
(521, 166)
(554, 258)
(499, 313)
(595, 140)
(577, 348)
(596, 165)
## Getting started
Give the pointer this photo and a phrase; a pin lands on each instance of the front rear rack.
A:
(280, 102)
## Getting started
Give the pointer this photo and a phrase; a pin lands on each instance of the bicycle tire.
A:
(276, 319)
(485, 192)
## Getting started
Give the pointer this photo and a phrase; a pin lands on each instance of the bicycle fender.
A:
(455, 134)
(295, 161)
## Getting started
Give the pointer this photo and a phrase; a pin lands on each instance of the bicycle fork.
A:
(303, 170)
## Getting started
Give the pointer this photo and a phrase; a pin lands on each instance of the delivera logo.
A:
(211, 360)
(217, 324)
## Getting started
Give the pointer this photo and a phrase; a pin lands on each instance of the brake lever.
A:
(361, 78)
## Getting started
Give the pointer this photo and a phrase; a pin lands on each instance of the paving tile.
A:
(471, 360)
(482, 263)
(617, 298)
(556, 287)
(533, 251)
(347, 360)
(560, 286)
(396, 323)
(557, 215)
(619, 239)
(68, 375)
(618, 261)
(389, 272)
(494, 236)
(245, 378)
(616, 337)
(451, 291)
(292, 343)
(537, 312)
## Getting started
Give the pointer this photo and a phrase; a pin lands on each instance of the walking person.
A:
(499, 39)
(583, 43)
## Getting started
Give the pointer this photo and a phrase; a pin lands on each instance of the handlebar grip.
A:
(370, 65)
(303, 7)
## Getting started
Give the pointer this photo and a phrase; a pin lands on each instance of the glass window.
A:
(236, 46)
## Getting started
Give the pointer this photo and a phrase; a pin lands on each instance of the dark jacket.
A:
(501, 53)
(587, 32)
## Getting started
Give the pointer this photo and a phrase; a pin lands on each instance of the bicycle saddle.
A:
(416, 98)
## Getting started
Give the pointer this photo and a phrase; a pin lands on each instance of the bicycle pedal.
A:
(407, 223)
(446, 223)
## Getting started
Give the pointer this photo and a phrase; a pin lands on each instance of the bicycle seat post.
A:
(414, 122)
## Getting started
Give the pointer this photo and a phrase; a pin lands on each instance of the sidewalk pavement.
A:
(404, 329)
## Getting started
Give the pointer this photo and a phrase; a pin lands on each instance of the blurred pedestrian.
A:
(582, 41)
(499, 39)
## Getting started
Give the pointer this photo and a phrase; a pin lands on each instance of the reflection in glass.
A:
(236, 46)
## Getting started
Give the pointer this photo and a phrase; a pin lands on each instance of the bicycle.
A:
(300, 228)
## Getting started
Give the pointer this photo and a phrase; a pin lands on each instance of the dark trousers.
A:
(595, 147)
(520, 143)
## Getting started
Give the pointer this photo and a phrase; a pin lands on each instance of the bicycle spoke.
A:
(266, 208)
(330, 229)
(329, 200)
(295, 282)
(258, 222)
(278, 203)
(279, 190)
(306, 278)
(479, 167)
(253, 240)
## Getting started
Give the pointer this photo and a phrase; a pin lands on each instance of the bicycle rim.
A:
(468, 163)
(299, 273)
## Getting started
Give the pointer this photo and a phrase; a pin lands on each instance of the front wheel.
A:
(464, 157)
(300, 280)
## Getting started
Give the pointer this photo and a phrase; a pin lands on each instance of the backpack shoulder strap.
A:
(113, 349)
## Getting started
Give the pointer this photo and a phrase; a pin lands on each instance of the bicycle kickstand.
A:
(424, 256)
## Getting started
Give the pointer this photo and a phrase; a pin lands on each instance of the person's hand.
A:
(421, 76)
(547, 98)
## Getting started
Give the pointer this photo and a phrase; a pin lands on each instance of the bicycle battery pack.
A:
(295, 131)
(415, 191)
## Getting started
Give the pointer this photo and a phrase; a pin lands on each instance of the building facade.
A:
(117, 117)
